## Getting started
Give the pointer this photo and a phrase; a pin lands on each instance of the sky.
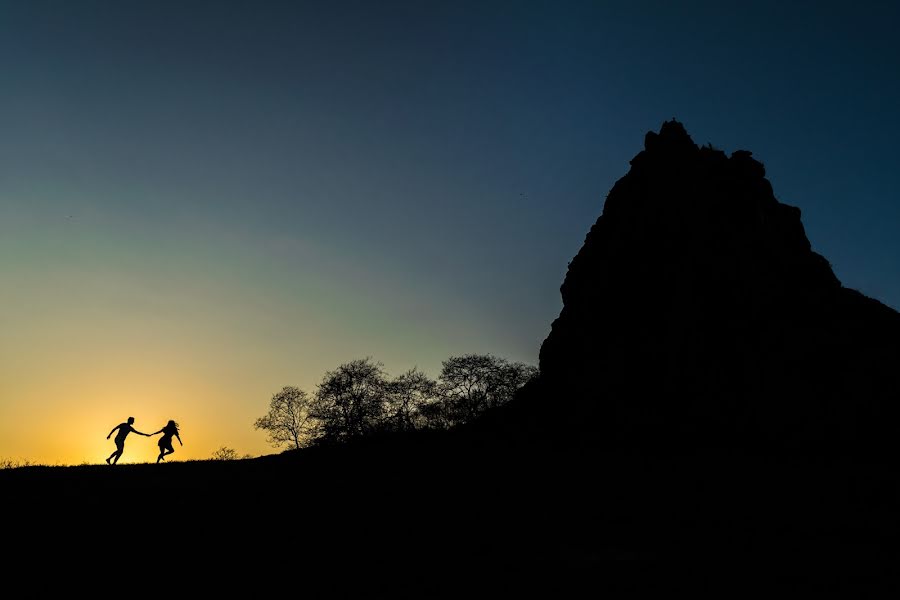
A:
(202, 202)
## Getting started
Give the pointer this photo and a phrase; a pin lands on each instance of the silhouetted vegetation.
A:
(358, 399)
(474, 383)
(407, 399)
(351, 401)
(696, 318)
(289, 421)
(225, 453)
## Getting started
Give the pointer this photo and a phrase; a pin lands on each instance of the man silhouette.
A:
(124, 430)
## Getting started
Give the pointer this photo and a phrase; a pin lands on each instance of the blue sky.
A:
(253, 193)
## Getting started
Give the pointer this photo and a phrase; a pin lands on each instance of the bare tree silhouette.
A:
(407, 396)
(473, 383)
(289, 420)
(358, 399)
(350, 401)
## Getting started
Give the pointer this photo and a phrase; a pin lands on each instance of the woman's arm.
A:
(179, 439)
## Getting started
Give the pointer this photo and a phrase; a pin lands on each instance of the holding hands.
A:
(165, 443)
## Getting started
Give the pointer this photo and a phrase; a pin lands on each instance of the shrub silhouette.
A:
(225, 453)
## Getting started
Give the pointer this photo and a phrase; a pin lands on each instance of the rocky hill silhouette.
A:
(696, 313)
(695, 316)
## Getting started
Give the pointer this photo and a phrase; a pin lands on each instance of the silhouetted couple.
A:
(165, 442)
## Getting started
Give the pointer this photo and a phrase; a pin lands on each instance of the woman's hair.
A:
(171, 427)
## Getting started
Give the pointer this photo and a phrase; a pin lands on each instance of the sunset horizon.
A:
(200, 206)
(407, 299)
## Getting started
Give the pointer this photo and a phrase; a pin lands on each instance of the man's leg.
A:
(120, 448)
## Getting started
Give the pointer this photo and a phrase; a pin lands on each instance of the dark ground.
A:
(434, 515)
(696, 317)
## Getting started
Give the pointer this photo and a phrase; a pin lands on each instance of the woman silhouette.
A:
(165, 442)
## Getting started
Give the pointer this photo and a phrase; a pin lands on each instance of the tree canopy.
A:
(358, 399)
(289, 421)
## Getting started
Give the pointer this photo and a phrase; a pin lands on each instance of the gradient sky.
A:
(202, 202)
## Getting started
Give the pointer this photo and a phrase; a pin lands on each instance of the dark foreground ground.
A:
(428, 516)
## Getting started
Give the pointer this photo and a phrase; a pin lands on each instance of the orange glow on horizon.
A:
(65, 419)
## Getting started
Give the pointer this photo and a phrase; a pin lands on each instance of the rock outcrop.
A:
(696, 313)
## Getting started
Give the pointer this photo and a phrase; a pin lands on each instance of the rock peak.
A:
(697, 312)
(673, 130)
(672, 137)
